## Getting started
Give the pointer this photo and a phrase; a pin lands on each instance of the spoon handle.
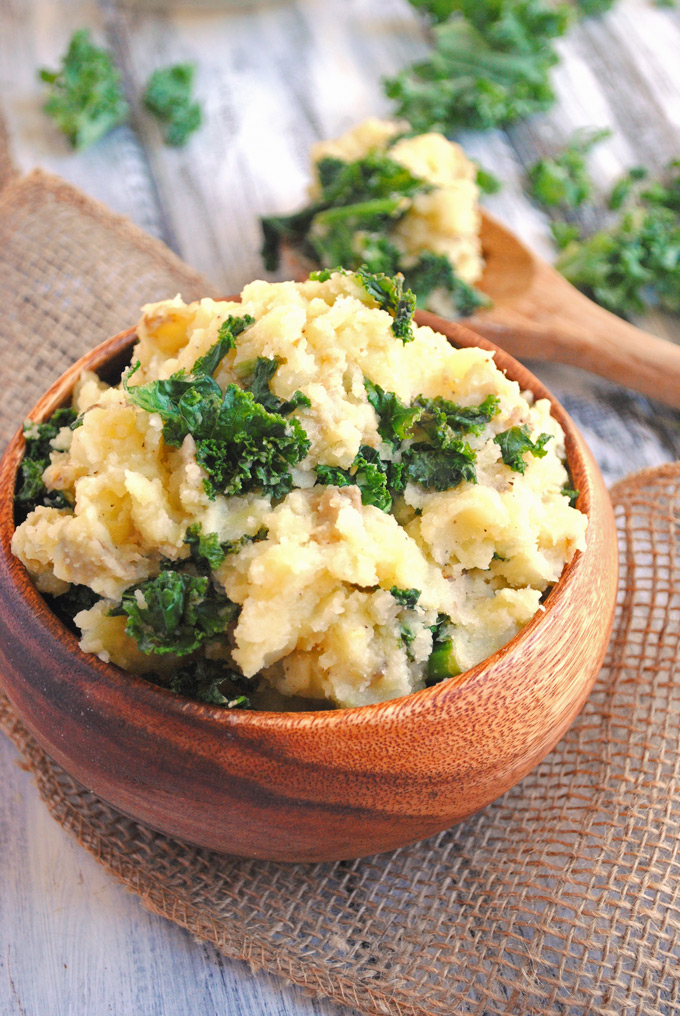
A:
(553, 321)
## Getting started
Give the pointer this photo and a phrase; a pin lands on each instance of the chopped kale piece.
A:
(212, 682)
(241, 445)
(636, 261)
(206, 550)
(487, 182)
(258, 386)
(174, 613)
(390, 295)
(441, 662)
(85, 96)
(571, 493)
(439, 417)
(434, 272)
(372, 475)
(406, 597)
(168, 96)
(516, 442)
(31, 491)
(439, 468)
(227, 333)
(490, 66)
(564, 179)
(396, 419)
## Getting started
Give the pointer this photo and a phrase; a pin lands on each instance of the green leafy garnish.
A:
(516, 442)
(593, 8)
(489, 66)
(372, 475)
(390, 295)
(350, 226)
(571, 493)
(439, 468)
(211, 681)
(439, 417)
(636, 261)
(70, 603)
(487, 182)
(227, 334)
(206, 550)
(406, 597)
(174, 613)
(258, 385)
(441, 662)
(433, 272)
(241, 445)
(85, 95)
(564, 179)
(31, 491)
(395, 419)
(168, 96)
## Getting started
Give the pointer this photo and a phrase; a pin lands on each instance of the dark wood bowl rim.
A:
(417, 702)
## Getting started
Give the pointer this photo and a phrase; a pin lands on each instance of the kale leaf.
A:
(441, 662)
(85, 97)
(636, 261)
(439, 417)
(70, 603)
(515, 442)
(241, 445)
(227, 334)
(174, 613)
(406, 597)
(390, 295)
(434, 272)
(489, 66)
(168, 96)
(208, 553)
(564, 179)
(31, 491)
(395, 419)
(258, 385)
(372, 475)
(439, 468)
(212, 682)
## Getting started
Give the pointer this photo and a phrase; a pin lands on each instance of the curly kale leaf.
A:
(85, 96)
(38, 437)
(396, 420)
(212, 682)
(372, 475)
(241, 445)
(168, 96)
(439, 468)
(390, 295)
(208, 552)
(227, 334)
(435, 272)
(636, 261)
(516, 442)
(70, 603)
(359, 201)
(258, 385)
(564, 179)
(439, 418)
(490, 66)
(405, 597)
(441, 662)
(174, 613)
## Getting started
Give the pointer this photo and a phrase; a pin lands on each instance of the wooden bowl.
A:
(319, 785)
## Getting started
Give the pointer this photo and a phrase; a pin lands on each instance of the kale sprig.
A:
(241, 446)
(351, 225)
(85, 96)
(30, 490)
(489, 66)
(563, 179)
(515, 442)
(635, 261)
(175, 612)
(168, 96)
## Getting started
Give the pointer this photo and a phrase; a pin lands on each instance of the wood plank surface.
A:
(273, 77)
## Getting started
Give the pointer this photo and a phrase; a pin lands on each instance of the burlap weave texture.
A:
(561, 898)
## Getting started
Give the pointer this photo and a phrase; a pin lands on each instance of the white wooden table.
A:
(273, 77)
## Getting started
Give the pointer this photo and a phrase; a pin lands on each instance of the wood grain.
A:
(310, 786)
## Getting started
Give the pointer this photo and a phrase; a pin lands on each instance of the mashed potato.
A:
(359, 553)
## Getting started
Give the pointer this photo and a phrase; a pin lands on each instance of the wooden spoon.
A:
(537, 313)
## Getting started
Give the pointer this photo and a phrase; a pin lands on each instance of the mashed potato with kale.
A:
(303, 492)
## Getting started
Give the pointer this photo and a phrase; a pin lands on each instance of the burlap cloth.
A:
(562, 897)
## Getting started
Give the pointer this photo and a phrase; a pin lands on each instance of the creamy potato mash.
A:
(373, 538)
